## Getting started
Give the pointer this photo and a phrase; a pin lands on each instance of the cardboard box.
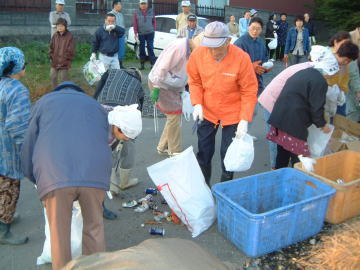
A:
(345, 125)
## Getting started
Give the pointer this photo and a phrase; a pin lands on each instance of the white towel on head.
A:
(128, 119)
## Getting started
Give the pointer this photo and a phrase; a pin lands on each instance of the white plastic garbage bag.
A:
(240, 154)
(307, 163)
(273, 44)
(76, 236)
(187, 108)
(333, 99)
(93, 70)
(318, 140)
(183, 186)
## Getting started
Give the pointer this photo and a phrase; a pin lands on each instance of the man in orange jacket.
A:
(223, 90)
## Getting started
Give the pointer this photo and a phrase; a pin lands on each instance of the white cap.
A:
(128, 119)
(215, 35)
(60, 2)
(324, 59)
(143, 2)
(185, 3)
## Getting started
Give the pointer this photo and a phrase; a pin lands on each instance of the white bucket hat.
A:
(185, 3)
(324, 59)
(60, 2)
(128, 119)
(215, 35)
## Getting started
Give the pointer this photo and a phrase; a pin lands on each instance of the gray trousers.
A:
(124, 155)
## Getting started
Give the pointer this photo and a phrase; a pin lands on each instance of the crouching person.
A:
(66, 153)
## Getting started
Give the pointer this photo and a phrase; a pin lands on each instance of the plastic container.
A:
(343, 165)
(265, 212)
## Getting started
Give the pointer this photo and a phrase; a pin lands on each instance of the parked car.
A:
(164, 34)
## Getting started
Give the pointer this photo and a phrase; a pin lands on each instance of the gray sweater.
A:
(66, 144)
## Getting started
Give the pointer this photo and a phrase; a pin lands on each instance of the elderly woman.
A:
(14, 118)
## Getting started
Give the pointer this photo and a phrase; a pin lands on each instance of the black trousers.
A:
(280, 52)
(283, 157)
(206, 142)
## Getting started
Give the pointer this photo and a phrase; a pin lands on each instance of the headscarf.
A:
(128, 119)
(324, 60)
(11, 54)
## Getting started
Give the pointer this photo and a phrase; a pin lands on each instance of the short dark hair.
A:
(349, 50)
(109, 15)
(62, 21)
(257, 20)
(246, 11)
(115, 2)
(339, 36)
(271, 17)
(283, 14)
(299, 18)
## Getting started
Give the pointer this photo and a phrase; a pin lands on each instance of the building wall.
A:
(290, 7)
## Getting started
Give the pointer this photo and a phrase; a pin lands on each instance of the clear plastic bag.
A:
(183, 186)
(187, 108)
(93, 70)
(240, 154)
(318, 140)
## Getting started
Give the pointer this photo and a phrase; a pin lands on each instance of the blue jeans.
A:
(149, 39)
(121, 53)
(206, 142)
(272, 145)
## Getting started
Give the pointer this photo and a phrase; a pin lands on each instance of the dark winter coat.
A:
(62, 50)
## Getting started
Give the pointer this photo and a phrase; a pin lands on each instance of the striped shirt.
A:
(14, 119)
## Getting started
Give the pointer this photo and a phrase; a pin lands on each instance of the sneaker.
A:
(163, 152)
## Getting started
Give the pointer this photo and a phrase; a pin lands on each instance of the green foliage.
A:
(340, 14)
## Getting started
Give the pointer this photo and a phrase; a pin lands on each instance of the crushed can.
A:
(157, 231)
(152, 191)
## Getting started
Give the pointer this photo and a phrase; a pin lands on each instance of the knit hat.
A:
(324, 59)
(128, 119)
(14, 55)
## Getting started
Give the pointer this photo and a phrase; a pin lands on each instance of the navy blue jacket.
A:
(291, 40)
(257, 51)
(66, 144)
(107, 42)
(282, 31)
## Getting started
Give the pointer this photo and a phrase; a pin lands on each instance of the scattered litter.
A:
(142, 208)
(157, 231)
(148, 198)
(163, 201)
(161, 215)
(152, 191)
(339, 181)
(151, 222)
(129, 204)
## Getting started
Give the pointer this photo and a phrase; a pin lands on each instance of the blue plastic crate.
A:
(265, 212)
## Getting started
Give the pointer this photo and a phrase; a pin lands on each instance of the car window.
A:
(160, 24)
(203, 22)
(169, 24)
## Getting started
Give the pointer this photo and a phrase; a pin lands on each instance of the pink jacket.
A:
(271, 93)
(169, 73)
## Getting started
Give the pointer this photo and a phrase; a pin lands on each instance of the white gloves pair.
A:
(109, 27)
(242, 127)
(93, 57)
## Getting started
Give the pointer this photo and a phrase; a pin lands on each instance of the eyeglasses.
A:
(253, 29)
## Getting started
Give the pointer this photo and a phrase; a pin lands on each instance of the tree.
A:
(339, 14)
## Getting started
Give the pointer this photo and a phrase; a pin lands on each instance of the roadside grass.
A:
(37, 77)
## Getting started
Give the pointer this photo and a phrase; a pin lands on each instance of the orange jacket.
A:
(227, 89)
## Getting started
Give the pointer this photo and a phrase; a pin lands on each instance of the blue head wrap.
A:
(8, 54)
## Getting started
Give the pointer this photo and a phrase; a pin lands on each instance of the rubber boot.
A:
(125, 182)
(206, 170)
(226, 176)
(142, 64)
(114, 182)
(107, 214)
(8, 238)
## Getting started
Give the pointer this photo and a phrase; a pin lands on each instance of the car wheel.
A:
(137, 51)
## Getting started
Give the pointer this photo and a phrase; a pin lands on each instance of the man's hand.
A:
(326, 129)
(258, 68)
(286, 58)
(242, 129)
(137, 37)
(198, 113)
(93, 57)
(154, 95)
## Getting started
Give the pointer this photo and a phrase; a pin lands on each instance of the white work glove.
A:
(109, 27)
(242, 129)
(198, 113)
(341, 98)
(93, 57)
